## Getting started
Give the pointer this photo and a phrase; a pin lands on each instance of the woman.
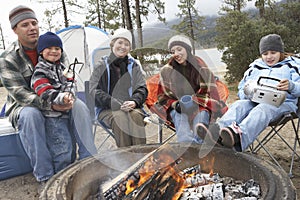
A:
(119, 89)
(246, 119)
(186, 77)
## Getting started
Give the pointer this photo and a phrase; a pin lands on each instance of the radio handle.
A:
(267, 77)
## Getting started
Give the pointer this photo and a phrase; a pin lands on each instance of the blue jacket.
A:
(287, 69)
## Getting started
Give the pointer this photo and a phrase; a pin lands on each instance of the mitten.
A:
(249, 88)
(176, 106)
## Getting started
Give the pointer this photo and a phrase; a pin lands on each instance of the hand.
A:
(68, 98)
(249, 89)
(61, 108)
(283, 85)
(176, 106)
(128, 106)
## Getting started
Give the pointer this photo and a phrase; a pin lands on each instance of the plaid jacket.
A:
(173, 87)
(15, 71)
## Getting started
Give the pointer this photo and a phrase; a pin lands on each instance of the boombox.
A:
(264, 93)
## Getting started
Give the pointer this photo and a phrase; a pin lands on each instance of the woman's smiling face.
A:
(179, 54)
(121, 47)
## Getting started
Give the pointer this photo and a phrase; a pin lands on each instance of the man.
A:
(24, 107)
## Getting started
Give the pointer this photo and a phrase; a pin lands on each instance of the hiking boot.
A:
(230, 136)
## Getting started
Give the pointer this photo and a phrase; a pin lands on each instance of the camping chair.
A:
(153, 86)
(276, 126)
(96, 123)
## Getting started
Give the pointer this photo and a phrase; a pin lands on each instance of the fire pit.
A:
(82, 179)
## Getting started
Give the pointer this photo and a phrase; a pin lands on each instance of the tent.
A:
(81, 43)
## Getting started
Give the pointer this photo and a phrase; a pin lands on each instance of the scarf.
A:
(118, 68)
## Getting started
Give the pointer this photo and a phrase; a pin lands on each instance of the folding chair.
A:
(276, 126)
(153, 86)
(96, 123)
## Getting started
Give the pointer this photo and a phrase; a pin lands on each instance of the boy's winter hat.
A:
(271, 42)
(20, 13)
(122, 33)
(48, 39)
(181, 40)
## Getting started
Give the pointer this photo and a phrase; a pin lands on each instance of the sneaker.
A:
(212, 132)
(230, 136)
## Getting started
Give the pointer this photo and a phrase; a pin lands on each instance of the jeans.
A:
(184, 131)
(59, 142)
(82, 129)
(32, 131)
(253, 118)
(38, 146)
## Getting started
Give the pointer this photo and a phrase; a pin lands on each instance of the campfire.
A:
(180, 173)
(159, 178)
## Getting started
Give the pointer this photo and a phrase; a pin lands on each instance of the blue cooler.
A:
(13, 159)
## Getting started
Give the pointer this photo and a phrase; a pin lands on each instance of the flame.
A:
(130, 186)
(156, 163)
(149, 168)
(211, 172)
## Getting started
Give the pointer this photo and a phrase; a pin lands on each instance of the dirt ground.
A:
(25, 187)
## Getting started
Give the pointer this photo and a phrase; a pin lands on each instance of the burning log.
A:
(158, 178)
(162, 185)
(152, 171)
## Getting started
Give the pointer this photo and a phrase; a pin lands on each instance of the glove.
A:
(249, 88)
(177, 107)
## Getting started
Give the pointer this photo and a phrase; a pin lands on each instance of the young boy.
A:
(56, 87)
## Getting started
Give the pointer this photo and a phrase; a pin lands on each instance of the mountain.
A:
(156, 35)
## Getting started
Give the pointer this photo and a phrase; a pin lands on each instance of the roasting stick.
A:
(106, 186)
(149, 118)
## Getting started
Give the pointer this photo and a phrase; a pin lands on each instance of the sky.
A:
(205, 7)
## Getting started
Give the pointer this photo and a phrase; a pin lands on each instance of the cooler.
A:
(13, 159)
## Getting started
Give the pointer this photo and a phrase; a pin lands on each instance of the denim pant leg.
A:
(236, 112)
(81, 127)
(259, 118)
(59, 142)
(183, 129)
(31, 125)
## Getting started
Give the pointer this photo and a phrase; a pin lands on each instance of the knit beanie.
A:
(181, 40)
(271, 42)
(20, 13)
(48, 39)
(122, 33)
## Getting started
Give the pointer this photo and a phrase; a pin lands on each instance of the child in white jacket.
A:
(246, 119)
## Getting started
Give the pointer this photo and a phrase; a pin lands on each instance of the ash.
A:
(201, 186)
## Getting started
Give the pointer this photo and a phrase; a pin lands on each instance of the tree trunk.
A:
(139, 23)
(65, 13)
(128, 21)
(260, 4)
(98, 13)
(191, 25)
